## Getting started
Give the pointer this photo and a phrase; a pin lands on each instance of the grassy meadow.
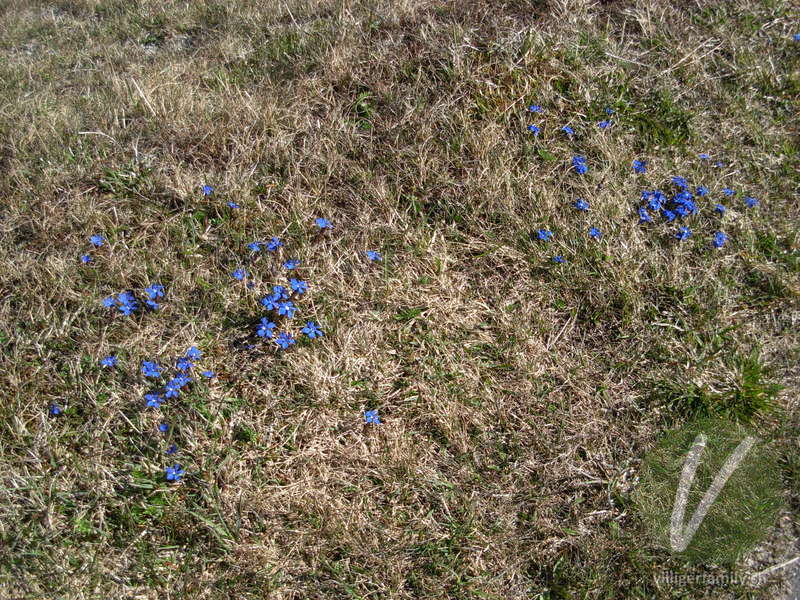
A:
(517, 392)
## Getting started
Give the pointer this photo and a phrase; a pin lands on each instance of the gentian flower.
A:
(535, 108)
(127, 303)
(97, 240)
(750, 202)
(86, 259)
(581, 204)
(568, 130)
(109, 301)
(371, 416)
(254, 246)
(153, 400)
(287, 309)
(163, 427)
(640, 166)
(270, 302)
(644, 216)
(284, 340)
(796, 37)
(155, 291)
(312, 330)
(323, 223)
(595, 233)
(240, 274)
(719, 164)
(109, 361)
(704, 156)
(544, 235)
(559, 259)
(373, 255)
(534, 129)
(579, 164)
(175, 472)
(609, 111)
(207, 190)
(680, 182)
(604, 124)
(701, 191)
(719, 239)
(683, 233)
(194, 354)
(172, 449)
(298, 286)
(265, 328)
(668, 215)
(728, 191)
(274, 244)
(208, 374)
(184, 364)
(279, 292)
(720, 208)
(55, 410)
(151, 369)
(291, 264)
(232, 204)
(654, 203)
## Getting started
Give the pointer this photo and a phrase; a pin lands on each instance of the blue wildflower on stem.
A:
(109, 361)
(595, 233)
(373, 256)
(207, 190)
(193, 353)
(559, 259)
(274, 244)
(581, 204)
(55, 410)
(285, 339)
(535, 108)
(640, 166)
(291, 264)
(579, 164)
(151, 369)
(299, 287)
(568, 130)
(86, 259)
(371, 417)
(534, 129)
(175, 472)
(720, 208)
(683, 233)
(323, 223)
(719, 239)
(97, 240)
(544, 235)
(265, 329)
(750, 202)
(312, 330)
(232, 204)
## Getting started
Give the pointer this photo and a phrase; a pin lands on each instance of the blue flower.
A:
(97, 240)
(291, 264)
(544, 235)
(175, 472)
(640, 166)
(109, 361)
(604, 124)
(654, 203)
(151, 369)
(373, 255)
(728, 191)
(720, 208)
(534, 129)
(719, 239)
(680, 182)
(609, 111)
(254, 246)
(86, 259)
(287, 309)
(55, 410)
(535, 108)
(312, 330)
(163, 427)
(581, 204)
(568, 130)
(559, 259)
(579, 163)
(265, 328)
(279, 292)
(232, 204)
(796, 37)
(323, 223)
(644, 216)
(595, 233)
(240, 274)
(719, 164)
(298, 286)
(284, 340)
(750, 202)
(668, 215)
(153, 400)
(208, 374)
(172, 449)
(704, 156)
(270, 302)
(194, 353)
(127, 303)
(701, 191)
(683, 233)
(207, 190)
(274, 244)
(184, 364)
(109, 301)
(371, 416)
(155, 291)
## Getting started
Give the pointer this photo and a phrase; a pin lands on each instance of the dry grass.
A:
(518, 396)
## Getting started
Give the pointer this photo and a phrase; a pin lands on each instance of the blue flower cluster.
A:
(97, 241)
(127, 303)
